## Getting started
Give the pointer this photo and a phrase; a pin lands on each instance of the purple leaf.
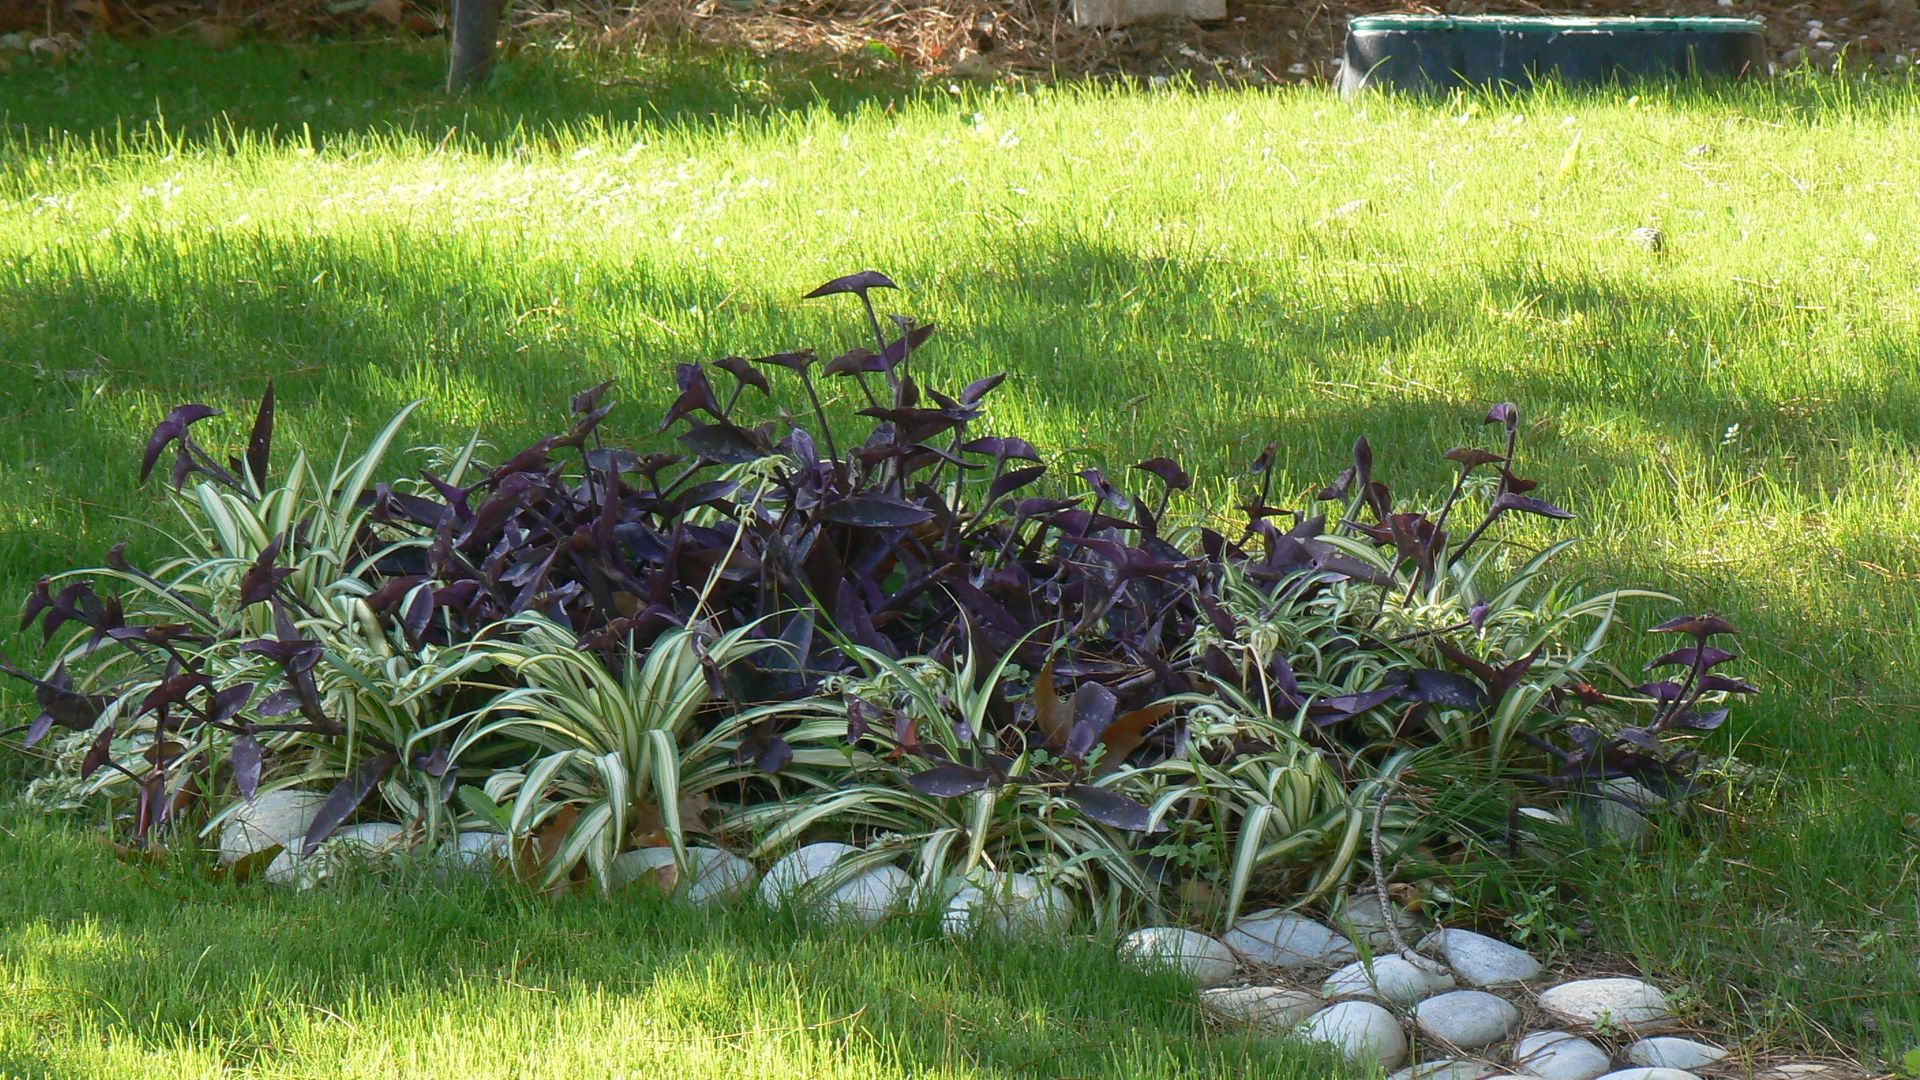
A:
(853, 283)
(346, 797)
(1697, 721)
(1472, 456)
(1699, 626)
(98, 753)
(1687, 656)
(278, 703)
(1093, 706)
(1431, 686)
(773, 755)
(1504, 413)
(260, 441)
(1169, 472)
(228, 703)
(971, 393)
(792, 361)
(262, 578)
(742, 370)
(246, 758)
(1002, 447)
(1109, 807)
(1013, 481)
(38, 729)
(724, 443)
(696, 395)
(172, 428)
(1512, 501)
(875, 512)
(950, 780)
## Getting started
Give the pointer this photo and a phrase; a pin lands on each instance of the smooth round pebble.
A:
(1266, 1008)
(1361, 1030)
(713, 876)
(1193, 954)
(274, 819)
(868, 898)
(798, 867)
(1008, 904)
(1612, 1002)
(1667, 1051)
(1448, 1069)
(1284, 939)
(1392, 979)
(1559, 1055)
(1468, 1019)
(479, 849)
(1650, 1074)
(1482, 961)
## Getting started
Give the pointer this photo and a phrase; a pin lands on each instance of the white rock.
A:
(1284, 939)
(1480, 960)
(1363, 918)
(1467, 1019)
(713, 876)
(1007, 903)
(1616, 1002)
(479, 849)
(368, 836)
(1361, 1030)
(1448, 1069)
(346, 844)
(1128, 12)
(1618, 811)
(1199, 957)
(798, 867)
(869, 897)
(275, 819)
(1669, 1052)
(1266, 1008)
(1392, 979)
(1650, 1074)
(1559, 1055)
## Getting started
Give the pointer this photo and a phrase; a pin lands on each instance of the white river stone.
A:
(1614, 1002)
(274, 819)
(713, 876)
(798, 867)
(1284, 939)
(1264, 1008)
(1666, 1051)
(1008, 904)
(1467, 1019)
(1559, 1055)
(1193, 954)
(1391, 978)
(1480, 960)
(1361, 1030)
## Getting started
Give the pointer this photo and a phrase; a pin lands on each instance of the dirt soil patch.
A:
(1257, 42)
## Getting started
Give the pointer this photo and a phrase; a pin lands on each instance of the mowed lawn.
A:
(1734, 418)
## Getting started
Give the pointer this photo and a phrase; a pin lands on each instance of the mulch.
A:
(1258, 42)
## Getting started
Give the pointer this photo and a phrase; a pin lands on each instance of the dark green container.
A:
(1428, 52)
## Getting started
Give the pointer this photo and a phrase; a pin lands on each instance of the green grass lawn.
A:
(1735, 420)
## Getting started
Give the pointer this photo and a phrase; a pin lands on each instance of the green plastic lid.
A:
(1706, 24)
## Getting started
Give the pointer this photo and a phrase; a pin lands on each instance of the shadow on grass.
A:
(315, 94)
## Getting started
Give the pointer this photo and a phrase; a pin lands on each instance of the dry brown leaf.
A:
(387, 11)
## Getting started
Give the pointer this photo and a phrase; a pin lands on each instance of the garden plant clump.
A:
(910, 636)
